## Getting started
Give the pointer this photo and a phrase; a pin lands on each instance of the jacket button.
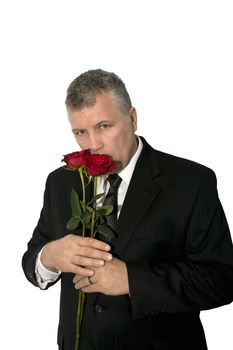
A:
(98, 308)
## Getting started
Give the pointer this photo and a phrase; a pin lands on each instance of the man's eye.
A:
(80, 132)
(104, 126)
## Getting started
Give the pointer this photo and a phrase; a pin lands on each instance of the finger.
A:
(90, 252)
(79, 270)
(94, 243)
(78, 278)
(83, 283)
(86, 261)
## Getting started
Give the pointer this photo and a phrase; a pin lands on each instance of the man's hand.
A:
(73, 253)
(110, 279)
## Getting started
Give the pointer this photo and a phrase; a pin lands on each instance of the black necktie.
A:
(111, 198)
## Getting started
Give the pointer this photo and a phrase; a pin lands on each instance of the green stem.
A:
(94, 207)
(81, 294)
(81, 300)
(83, 185)
(84, 196)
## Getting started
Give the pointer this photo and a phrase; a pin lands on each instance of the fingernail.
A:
(100, 262)
(107, 247)
(109, 257)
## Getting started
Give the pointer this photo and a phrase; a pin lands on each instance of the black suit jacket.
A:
(173, 235)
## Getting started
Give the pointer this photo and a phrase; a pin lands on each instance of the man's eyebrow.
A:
(103, 122)
(75, 130)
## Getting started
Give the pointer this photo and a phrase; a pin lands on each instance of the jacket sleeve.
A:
(41, 236)
(203, 279)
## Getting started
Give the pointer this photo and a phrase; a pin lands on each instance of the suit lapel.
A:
(142, 191)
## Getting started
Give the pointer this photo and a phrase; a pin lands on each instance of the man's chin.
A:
(119, 166)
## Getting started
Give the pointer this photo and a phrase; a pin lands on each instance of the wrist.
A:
(46, 257)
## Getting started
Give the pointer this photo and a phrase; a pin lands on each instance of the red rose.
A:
(75, 159)
(98, 164)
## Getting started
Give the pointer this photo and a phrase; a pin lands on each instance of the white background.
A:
(176, 60)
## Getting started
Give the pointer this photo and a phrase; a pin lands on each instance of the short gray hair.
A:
(83, 90)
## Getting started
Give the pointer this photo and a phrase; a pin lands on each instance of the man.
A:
(172, 255)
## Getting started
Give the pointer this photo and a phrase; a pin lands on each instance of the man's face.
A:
(104, 128)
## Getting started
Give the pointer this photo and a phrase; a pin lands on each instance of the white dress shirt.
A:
(45, 276)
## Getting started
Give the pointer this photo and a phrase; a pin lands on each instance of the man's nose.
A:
(95, 143)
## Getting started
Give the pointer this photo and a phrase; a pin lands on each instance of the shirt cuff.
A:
(43, 275)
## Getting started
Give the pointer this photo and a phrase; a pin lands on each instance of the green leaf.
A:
(73, 223)
(100, 213)
(82, 204)
(75, 204)
(102, 220)
(86, 217)
(90, 209)
(96, 197)
(106, 231)
(108, 209)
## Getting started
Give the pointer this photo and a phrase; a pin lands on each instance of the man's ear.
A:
(133, 117)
